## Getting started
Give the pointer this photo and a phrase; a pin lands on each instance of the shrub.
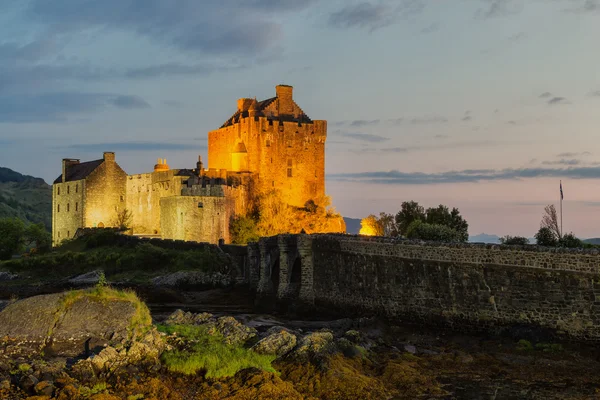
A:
(243, 230)
(434, 232)
(570, 241)
(524, 345)
(514, 240)
(210, 354)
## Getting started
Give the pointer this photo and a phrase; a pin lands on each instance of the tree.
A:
(243, 230)
(550, 220)
(546, 237)
(410, 211)
(441, 215)
(11, 237)
(371, 226)
(36, 236)
(514, 240)
(389, 224)
(123, 218)
(571, 241)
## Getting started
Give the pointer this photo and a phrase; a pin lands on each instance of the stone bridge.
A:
(470, 286)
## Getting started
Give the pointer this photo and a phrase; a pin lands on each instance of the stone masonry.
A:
(465, 286)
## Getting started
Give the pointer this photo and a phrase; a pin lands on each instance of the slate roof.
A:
(260, 108)
(80, 171)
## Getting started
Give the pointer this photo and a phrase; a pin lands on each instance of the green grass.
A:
(208, 353)
(138, 262)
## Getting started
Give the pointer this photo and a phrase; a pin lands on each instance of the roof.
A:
(259, 108)
(76, 172)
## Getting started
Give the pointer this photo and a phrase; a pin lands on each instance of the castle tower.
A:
(277, 142)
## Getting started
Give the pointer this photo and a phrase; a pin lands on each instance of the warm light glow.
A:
(367, 231)
(371, 226)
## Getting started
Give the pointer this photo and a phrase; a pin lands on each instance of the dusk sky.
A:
(479, 104)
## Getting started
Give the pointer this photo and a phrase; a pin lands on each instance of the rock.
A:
(180, 317)
(315, 345)
(90, 278)
(7, 276)
(193, 278)
(233, 331)
(410, 349)
(27, 383)
(5, 384)
(279, 342)
(44, 388)
(70, 324)
(354, 336)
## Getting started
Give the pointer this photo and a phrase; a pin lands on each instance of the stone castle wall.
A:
(196, 218)
(105, 194)
(287, 156)
(469, 287)
(67, 209)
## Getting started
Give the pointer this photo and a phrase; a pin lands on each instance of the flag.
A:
(561, 192)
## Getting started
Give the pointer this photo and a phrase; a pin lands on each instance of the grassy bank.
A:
(133, 261)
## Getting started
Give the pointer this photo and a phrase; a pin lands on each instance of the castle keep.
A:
(266, 145)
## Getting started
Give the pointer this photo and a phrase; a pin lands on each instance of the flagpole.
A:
(561, 200)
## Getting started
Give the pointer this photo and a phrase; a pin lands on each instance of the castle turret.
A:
(199, 166)
(161, 165)
(239, 158)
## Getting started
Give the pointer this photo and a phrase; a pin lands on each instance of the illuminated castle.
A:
(266, 145)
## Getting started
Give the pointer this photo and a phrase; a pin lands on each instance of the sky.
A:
(483, 105)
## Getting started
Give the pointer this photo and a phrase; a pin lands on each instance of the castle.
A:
(266, 145)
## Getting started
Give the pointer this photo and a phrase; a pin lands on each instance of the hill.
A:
(25, 197)
(485, 238)
(592, 241)
(352, 225)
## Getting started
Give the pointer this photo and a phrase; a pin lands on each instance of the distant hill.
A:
(592, 241)
(352, 225)
(25, 197)
(485, 238)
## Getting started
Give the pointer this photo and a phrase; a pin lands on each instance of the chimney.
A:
(285, 99)
(200, 166)
(66, 163)
(243, 104)
(109, 156)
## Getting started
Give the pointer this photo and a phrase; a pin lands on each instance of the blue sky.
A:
(480, 104)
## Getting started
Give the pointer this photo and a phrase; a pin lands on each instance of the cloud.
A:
(443, 146)
(558, 100)
(594, 93)
(129, 102)
(467, 118)
(571, 161)
(396, 121)
(134, 146)
(246, 28)
(60, 106)
(367, 137)
(500, 8)
(571, 154)
(173, 103)
(428, 120)
(431, 28)
(361, 123)
(585, 6)
(395, 177)
(370, 16)
(545, 95)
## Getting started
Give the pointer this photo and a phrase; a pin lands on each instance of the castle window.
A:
(200, 205)
(273, 184)
(58, 191)
(76, 206)
(68, 189)
(59, 234)
(68, 207)
(122, 198)
(268, 143)
(289, 143)
(76, 188)
(68, 234)
(289, 169)
(58, 208)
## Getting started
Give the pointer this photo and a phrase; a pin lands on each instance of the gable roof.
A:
(76, 172)
(260, 111)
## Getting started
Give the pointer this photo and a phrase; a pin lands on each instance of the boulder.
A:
(71, 324)
(279, 341)
(233, 331)
(314, 346)
(7, 276)
(181, 317)
(90, 278)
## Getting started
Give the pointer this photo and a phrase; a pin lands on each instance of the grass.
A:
(102, 293)
(210, 354)
(138, 262)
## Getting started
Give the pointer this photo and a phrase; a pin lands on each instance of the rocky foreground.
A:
(101, 344)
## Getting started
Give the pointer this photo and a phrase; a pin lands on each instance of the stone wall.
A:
(67, 209)
(469, 287)
(196, 218)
